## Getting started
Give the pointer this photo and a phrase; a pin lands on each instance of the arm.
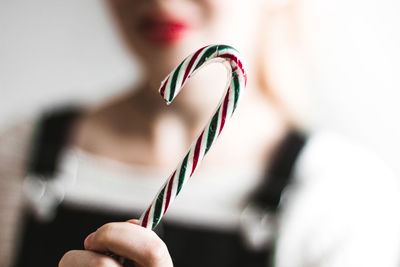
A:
(14, 146)
(343, 210)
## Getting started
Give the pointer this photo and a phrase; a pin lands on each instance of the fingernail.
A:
(133, 221)
(87, 239)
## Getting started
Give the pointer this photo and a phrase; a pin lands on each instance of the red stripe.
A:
(224, 110)
(238, 62)
(146, 217)
(190, 65)
(169, 190)
(162, 90)
(196, 153)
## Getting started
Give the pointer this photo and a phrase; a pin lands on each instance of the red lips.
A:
(163, 29)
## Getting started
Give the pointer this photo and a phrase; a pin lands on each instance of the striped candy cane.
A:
(170, 87)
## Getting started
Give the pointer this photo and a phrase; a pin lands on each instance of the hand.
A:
(126, 239)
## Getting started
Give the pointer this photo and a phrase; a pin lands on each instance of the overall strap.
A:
(259, 218)
(51, 136)
(280, 172)
(42, 245)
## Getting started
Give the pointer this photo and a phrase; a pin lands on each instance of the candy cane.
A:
(170, 87)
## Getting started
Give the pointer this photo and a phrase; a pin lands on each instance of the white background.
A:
(53, 50)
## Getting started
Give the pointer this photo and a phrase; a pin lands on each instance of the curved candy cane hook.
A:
(169, 89)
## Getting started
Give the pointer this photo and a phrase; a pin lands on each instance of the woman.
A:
(124, 149)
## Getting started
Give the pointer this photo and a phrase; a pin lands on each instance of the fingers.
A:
(131, 241)
(84, 258)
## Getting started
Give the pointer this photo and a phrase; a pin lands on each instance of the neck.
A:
(254, 130)
(258, 121)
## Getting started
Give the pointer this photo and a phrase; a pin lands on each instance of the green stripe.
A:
(211, 50)
(237, 89)
(222, 47)
(212, 130)
(173, 82)
(158, 208)
(182, 173)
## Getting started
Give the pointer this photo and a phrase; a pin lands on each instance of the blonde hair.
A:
(282, 66)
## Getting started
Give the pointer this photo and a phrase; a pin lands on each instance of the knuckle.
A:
(102, 261)
(155, 249)
(63, 261)
(106, 232)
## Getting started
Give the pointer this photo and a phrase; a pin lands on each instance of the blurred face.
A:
(162, 32)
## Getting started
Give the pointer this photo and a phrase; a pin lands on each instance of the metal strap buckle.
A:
(257, 227)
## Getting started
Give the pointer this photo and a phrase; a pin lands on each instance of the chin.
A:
(167, 56)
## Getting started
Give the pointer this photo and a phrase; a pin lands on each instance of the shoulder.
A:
(19, 128)
(344, 174)
(15, 141)
(339, 173)
(328, 155)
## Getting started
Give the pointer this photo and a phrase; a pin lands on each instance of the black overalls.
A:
(44, 243)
